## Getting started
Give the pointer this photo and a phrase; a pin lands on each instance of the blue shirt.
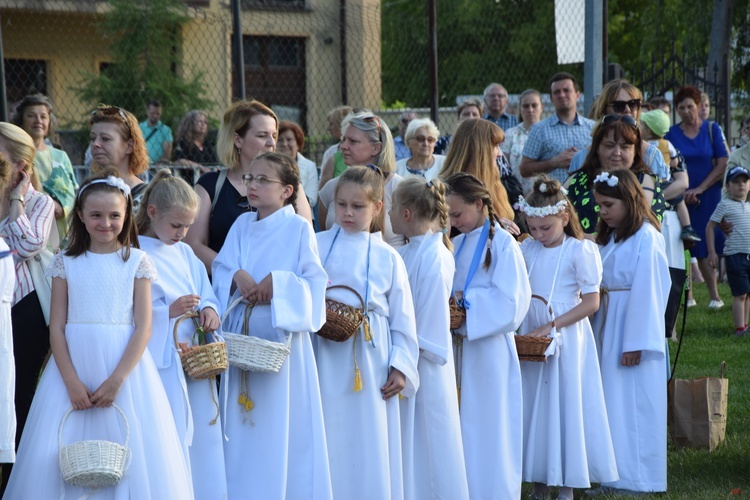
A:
(504, 121)
(654, 159)
(400, 148)
(552, 136)
(155, 138)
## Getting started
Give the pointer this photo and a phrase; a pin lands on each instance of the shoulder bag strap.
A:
(219, 184)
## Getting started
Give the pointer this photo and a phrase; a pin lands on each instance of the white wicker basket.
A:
(252, 353)
(95, 463)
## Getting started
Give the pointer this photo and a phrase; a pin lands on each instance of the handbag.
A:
(697, 411)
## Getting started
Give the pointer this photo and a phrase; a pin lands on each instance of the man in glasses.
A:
(496, 101)
(554, 141)
(399, 143)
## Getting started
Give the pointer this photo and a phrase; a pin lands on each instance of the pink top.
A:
(28, 235)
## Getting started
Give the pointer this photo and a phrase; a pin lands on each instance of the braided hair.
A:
(427, 201)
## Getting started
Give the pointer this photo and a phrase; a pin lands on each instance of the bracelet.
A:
(17, 197)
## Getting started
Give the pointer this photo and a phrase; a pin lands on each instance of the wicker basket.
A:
(93, 464)
(250, 353)
(342, 320)
(532, 348)
(202, 361)
(458, 314)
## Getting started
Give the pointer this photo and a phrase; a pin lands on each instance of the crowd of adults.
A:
(682, 163)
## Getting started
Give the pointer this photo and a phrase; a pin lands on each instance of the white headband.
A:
(611, 180)
(110, 181)
(530, 211)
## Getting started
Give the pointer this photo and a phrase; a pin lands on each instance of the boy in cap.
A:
(654, 124)
(736, 210)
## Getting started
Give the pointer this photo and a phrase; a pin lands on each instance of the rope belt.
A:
(604, 307)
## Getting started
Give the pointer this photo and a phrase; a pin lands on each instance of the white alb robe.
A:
(193, 402)
(637, 277)
(278, 449)
(7, 363)
(489, 371)
(438, 466)
(363, 430)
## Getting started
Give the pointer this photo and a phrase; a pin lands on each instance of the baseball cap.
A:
(736, 172)
(657, 121)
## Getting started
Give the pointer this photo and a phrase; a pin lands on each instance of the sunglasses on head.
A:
(619, 106)
(626, 119)
(376, 120)
(111, 111)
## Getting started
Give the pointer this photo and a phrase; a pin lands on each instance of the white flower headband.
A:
(543, 189)
(611, 180)
(530, 211)
(110, 181)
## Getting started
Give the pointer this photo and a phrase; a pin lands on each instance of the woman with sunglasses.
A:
(366, 140)
(620, 97)
(248, 128)
(117, 142)
(702, 144)
(420, 137)
(616, 145)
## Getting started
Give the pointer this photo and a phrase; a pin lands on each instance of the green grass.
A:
(709, 340)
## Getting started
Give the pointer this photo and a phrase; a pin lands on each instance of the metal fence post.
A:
(239, 58)
(3, 98)
(432, 63)
(592, 66)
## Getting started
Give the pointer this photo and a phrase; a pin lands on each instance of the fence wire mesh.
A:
(301, 57)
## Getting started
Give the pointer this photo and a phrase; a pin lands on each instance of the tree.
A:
(145, 47)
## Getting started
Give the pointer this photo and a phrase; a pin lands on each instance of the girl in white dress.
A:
(99, 329)
(420, 212)
(492, 285)
(629, 330)
(360, 376)
(567, 440)
(276, 443)
(166, 212)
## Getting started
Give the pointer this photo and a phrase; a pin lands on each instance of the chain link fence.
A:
(301, 57)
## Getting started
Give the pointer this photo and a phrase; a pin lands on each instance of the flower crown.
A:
(110, 181)
(530, 211)
(611, 180)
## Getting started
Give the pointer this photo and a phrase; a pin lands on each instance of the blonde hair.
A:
(549, 196)
(473, 151)
(6, 168)
(165, 192)
(129, 130)
(20, 147)
(372, 180)
(427, 202)
(236, 120)
(376, 131)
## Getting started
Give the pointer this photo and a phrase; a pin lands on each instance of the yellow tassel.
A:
(458, 393)
(357, 380)
(401, 396)
(242, 399)
(368, 334)
(249, 405)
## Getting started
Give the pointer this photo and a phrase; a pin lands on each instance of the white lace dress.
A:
(100, 324)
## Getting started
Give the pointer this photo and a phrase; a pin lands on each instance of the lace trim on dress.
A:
(56, 268)
(146, 269)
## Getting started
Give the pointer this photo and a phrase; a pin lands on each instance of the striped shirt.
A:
(738, 213)
(27, 235)
(552, 136)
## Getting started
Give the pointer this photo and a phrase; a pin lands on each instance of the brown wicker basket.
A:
(458, 314)
(202, 361)
(342, 320)
(532, 348)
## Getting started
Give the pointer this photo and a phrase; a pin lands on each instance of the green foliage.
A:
(146, 61)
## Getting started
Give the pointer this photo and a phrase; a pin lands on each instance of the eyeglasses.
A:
(428, 139)
(376, 120)
(626, 119)
(619, 106)
(112, 111)
(260, 180)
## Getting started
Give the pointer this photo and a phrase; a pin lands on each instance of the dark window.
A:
(24, 77)
(283, 4)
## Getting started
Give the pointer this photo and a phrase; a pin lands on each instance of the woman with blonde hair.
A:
(116, 141)
(26, 217)
(248, 128)
(474, 150)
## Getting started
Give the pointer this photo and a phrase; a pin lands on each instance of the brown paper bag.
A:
(698, 411)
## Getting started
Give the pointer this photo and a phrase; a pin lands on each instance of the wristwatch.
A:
(18, 197)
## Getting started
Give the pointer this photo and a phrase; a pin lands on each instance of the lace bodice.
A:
(100, 286)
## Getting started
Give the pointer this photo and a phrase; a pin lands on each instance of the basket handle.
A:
(71, 410)
(193, 314)
(234, 304)
(362, 302)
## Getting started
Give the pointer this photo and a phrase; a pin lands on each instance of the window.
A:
(280, 4)
(24, 77)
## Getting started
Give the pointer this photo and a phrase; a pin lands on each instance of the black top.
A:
(205, 156)
(225, 212)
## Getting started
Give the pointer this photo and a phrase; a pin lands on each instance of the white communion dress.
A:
(99, 327)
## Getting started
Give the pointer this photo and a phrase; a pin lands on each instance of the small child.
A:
(736, 210)
(629, 329)
(654, 124)
(492, 285)
(567, 439)
(166, 212)
(99, 328)
(276, 445)
(360, 378)
(420, 212)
